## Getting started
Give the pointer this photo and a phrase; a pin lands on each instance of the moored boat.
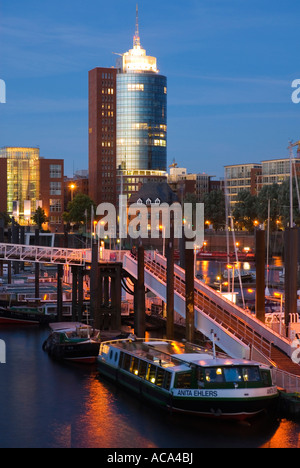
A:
(24, 315)
(73, 342)
(184, 378)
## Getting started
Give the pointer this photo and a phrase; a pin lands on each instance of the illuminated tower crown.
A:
(136, 60)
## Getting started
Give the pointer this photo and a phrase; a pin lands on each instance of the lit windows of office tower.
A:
(141, 119)
(21, 181)
(127, 125)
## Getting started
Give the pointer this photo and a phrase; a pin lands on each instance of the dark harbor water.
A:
(45, 404)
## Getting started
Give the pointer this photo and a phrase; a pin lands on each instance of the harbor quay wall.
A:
(217, 241)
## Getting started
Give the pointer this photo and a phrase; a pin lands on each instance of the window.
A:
(135, 87)
(55, 220)
(55, 206)
(143, 369)
(55, 171)
(167, 381)
(126, 362)
(151, 374)
(134, 366)
(55, 188)
(184, 380)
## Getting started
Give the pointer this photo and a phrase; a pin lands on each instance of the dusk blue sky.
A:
(229, 64)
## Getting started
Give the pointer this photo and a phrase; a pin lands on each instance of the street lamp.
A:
(163, 229)
(278, 294)
(72, 187)
(231, 267)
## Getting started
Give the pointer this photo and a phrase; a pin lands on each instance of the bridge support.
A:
(74, 292)
(94, 288)
(189, 294)
(37, 266)
(260, 256)
(139, 296)
(291, 273)
(170, 284)
(60, 271)
(80, 293)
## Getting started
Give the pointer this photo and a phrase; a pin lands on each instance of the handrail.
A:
(234, 324)
(41, 254)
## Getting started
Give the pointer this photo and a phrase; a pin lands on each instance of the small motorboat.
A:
(73, 342)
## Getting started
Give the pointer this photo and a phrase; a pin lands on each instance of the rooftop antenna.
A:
(136, 39)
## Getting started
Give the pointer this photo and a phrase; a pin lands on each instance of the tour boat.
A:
(184, 378)
(73, 342)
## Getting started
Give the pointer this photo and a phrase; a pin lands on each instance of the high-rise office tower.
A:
(128, 147)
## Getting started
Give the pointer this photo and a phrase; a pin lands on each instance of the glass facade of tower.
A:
(141, 122)
(23, 177)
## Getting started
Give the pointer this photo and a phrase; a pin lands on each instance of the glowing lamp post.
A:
(277, 294)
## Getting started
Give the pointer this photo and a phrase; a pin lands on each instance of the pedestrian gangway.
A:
(239, 333)
(38, 254)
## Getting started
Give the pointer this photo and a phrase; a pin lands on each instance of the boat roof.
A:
(67, 326)
(175, 355)
(206, 360)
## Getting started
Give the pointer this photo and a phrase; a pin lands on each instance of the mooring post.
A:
(189, 295)
(37, 265)
(140, 309)
(94, 288)
(60, 272)
(74, 292)
(80, 293)
(118, 297)
(291, 274)
(170, 282)
(260, 260)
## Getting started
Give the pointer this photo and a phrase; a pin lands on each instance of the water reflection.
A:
(52, 405)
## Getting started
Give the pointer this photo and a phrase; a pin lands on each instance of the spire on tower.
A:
(136, 39)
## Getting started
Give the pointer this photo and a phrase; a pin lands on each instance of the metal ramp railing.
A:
(38, 254)
(223, 314)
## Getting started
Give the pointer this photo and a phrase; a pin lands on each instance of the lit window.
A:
(135, 87)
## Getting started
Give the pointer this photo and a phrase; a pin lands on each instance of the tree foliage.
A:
(214, 208)
(275, 197)
(79, 209)
(245, 210)
(39, 217)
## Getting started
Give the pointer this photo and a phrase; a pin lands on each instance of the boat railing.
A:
(162, 355)
(290, 383)
(231, 322)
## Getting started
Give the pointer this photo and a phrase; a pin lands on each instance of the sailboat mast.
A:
(291, 186)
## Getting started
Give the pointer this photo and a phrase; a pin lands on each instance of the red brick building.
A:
(102, 135)
(52, 191)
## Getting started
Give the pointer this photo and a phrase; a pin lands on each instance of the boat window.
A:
(184, 380)
(151, 374)
(233, 374)
(160, 374)
(266, 378)
(143, 369)
(167, 381)
(251, 374)
(214, 374)
(134, 367)
(126, 362)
